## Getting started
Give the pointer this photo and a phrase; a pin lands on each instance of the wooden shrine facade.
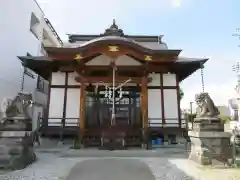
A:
(79, 75)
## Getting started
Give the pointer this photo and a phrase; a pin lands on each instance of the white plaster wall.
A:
(169, 80)
(127, 61)
(71, 78)
(73, 106)
(154, 107)
(101, 60)
(156, 81)
(58, 78)
(104, 60)
(170, 107)
(56, 105)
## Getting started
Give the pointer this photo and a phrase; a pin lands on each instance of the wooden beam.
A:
(80, 67)
(107, 79)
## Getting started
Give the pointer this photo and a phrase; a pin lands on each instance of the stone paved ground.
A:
(111, 168)
(53, 167)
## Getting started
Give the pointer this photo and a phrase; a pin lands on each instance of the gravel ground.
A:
(53, 167)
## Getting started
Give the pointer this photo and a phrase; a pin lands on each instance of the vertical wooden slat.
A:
(162, 100)
(178, 102)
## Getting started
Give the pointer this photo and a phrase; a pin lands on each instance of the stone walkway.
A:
(53, 167)
(109, 169)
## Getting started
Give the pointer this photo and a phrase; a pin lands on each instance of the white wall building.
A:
(24, 31)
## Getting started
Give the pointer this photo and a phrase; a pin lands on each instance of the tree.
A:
(225, 119)
(181, 94)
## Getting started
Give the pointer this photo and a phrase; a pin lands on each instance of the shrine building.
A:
(126, 83)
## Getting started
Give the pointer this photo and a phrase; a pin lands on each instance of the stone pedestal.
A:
(209, 142)
(16, 143)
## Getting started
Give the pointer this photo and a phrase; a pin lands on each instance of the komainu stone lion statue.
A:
(20, 105)
(206, 105)
(17, 111)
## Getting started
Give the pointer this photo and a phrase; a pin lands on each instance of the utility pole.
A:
(237, 34)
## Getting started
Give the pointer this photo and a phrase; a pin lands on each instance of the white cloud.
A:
(176, 3)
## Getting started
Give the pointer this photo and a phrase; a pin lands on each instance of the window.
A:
(235, 115)
(34, 24)
(27, 71)
(42, 85)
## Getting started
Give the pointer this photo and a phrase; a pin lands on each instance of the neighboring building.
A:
(224, 111)
(79, 98)
(24, 31)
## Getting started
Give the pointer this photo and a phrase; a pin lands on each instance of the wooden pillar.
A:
(65, 101)
(82, 109)
(178, 103)
(144, 108)
(64, 109)
(162, 100)
(46, 114)
(144, 102)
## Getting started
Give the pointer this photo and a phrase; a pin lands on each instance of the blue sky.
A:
(201, 28)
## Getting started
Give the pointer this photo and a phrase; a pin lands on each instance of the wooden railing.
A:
(60, 123)
(167, 124)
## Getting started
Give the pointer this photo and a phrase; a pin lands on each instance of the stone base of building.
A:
(16, 150)
(209, 143)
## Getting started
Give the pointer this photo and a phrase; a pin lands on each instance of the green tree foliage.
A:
(181, 94)
(225, 119)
